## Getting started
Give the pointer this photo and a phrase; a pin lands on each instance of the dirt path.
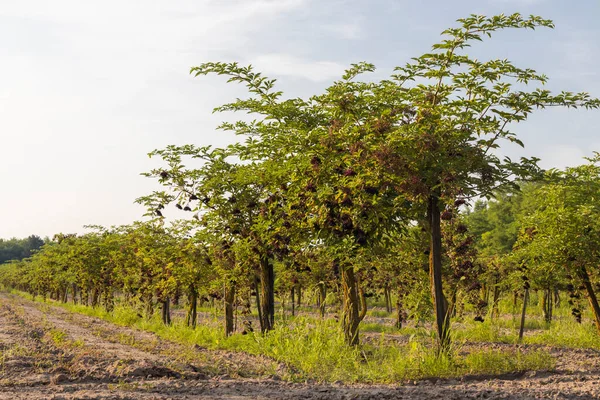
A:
(47, 353)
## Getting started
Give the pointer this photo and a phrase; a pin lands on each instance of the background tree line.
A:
(18, 249)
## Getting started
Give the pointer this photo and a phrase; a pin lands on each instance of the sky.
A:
(89, 88)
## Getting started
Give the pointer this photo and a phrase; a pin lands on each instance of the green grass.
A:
(315, 349)
(483, 332)
(374, 327)
(379, 313)
(563, 331)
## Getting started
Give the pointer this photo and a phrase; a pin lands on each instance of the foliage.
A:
(17, 249)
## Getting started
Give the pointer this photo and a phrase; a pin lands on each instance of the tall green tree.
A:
(351, 166)
(464, 110)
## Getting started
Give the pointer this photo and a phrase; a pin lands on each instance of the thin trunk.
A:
(267, 294)
(95, 296)
(363, 302)
(522, 327)
(556, 298)
(74, 293)
(166, 311)
(547, 303)
(350, 307)
(258, 307)
(176, 297)
(192, 314)
(495, 301)
(550, 306)
(322, 297)
(486, 291)
(399, 313)
(293, 303)
(544, 300)
(435, 271)
(583, 274)
(299, 295)
(228, 298)
(387, 298)
(235, 314)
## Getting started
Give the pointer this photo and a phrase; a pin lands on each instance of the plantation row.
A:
(361, 190)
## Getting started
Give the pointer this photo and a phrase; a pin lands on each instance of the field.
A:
(344, 231)
(49, 351)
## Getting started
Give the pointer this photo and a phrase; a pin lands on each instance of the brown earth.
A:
(49, 353)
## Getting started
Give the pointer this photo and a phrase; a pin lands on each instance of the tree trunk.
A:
(350, 306)
(399, 314)
(583, 274)
(322, 297)
(486, 293)
(556, 298)
(522, 327)
(192, 313)
(299, 295)
(293, 302)
(495, 300)
(228, 300)
(267, 294)
(257, 296)
(435, 272)
(363, 301)
(176, 296)
(74, 293)
(547, 303)
(95, 296)
(388, 299)
(166, 311)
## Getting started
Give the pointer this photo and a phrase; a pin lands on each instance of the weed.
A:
(314, 348)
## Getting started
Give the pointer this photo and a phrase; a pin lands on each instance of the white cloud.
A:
(346, 30)
(289, 65)
(561, 156)
(87, 89)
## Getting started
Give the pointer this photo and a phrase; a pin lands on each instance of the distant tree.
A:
(18, 249)
(561, 237)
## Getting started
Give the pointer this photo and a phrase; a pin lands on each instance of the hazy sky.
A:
(88, 88)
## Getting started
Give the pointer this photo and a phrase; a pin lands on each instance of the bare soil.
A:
(49, 353)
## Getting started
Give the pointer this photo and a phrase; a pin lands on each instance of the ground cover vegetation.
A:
(357, 208)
